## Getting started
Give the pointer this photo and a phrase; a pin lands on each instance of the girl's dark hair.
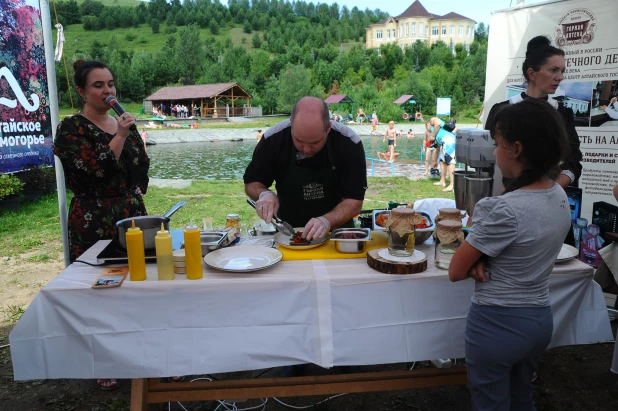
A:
(82, 68)
(541, 132)
(538, 51)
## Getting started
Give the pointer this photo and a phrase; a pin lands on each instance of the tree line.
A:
(297, 50)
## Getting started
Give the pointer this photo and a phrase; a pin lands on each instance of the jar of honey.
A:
(233, 221)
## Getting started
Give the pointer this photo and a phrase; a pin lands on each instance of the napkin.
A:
(327, 250)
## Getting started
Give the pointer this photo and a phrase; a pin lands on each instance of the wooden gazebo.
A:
(411, 107)
(338, 98)
(213, 100)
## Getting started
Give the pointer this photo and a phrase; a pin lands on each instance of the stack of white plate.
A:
(179, 261)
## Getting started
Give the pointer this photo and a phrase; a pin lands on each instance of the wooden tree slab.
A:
(394, 267)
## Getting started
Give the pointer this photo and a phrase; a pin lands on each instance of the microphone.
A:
(113, 103)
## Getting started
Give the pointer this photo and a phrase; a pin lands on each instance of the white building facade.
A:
(416, 23)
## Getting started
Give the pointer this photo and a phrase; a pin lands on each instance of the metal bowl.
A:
(264, 229)
(422, 234)
(212, 240)
(351, 245)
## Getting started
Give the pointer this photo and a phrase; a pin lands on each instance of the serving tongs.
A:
(281, 226)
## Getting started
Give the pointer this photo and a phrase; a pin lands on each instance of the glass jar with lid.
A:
(402, 231)
(449, 214)
(448, 236)
(233, 221)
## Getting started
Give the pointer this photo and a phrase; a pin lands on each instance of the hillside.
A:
(277, 50)
(142, 39)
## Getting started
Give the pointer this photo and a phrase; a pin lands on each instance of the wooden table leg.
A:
(139, 394)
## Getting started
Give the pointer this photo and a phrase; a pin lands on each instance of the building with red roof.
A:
(416, 23)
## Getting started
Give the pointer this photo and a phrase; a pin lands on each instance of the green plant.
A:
(13, 313)
(10, 186)
(48, 174)
(34, 178)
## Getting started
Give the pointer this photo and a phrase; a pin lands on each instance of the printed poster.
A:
(25, 123)
(586, 31)
(443, 106)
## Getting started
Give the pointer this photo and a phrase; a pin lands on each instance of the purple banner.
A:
(25, 123)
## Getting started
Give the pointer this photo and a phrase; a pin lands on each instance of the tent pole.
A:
(48, 44)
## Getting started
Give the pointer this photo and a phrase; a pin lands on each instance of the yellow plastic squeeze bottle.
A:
(193, 252)
(165, 258)
(135, 251)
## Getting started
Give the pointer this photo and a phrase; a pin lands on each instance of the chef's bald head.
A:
(312, 106)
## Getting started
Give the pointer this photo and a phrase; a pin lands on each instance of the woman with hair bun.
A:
(510, 252)
(543, 69)
(104, 160)
(105, 165)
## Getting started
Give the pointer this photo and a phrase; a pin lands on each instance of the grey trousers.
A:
(503, 345)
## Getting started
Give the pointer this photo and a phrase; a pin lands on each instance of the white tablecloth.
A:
(327, 312)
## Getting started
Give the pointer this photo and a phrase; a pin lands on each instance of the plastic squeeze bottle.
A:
(165, 258)
(193, 252)
(135, 251)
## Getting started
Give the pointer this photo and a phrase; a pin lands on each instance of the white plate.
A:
(567, 252)
(242, 259)
(284, 241)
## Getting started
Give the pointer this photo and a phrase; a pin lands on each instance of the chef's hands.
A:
(267, 205)
(316, 228)
(477, 271)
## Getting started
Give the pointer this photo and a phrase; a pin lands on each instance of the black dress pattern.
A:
(105, 190)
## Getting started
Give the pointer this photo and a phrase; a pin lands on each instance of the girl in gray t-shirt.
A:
(510, 252)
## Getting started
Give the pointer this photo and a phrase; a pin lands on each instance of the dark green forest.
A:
(295, 49)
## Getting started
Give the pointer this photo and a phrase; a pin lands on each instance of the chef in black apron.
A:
(318, 168)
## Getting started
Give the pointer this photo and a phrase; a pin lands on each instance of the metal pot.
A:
(149, 224)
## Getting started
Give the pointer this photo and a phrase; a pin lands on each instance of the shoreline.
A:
(185, 135)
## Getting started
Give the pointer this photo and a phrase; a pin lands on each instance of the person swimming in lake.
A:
(387, 156)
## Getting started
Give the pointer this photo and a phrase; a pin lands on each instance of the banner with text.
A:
(25, 124)
(443, 106)
(585, 30)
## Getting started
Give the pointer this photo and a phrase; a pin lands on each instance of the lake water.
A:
(227, 160)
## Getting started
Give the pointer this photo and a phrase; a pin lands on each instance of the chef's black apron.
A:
(305, 193)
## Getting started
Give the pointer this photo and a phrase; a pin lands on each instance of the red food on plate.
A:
(424, 224)
(297, 239)
(381, 219)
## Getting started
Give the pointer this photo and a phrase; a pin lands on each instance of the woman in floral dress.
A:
(104, 160)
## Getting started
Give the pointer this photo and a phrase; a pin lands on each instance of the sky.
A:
(478, 10)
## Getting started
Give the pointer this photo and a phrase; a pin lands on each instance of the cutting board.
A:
(327, 251)
(394, 267)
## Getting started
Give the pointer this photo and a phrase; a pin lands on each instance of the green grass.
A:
(13, 313)
(122, 3)
(142, 38)
(35, 227)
